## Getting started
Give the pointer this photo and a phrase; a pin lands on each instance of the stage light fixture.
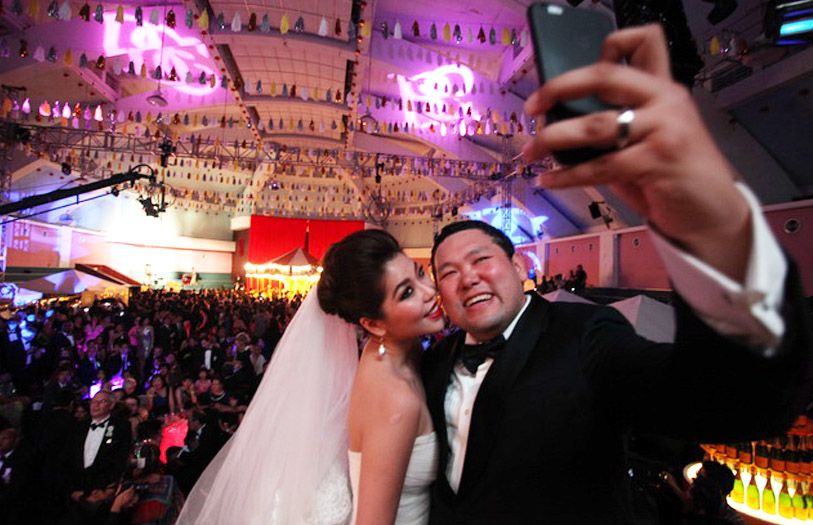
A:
(789, 22)
(66, 168)
(114, 191)
(167, 148)
(149, 207)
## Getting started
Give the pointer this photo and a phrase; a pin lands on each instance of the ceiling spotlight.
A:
(274, 185)
(167, 148)
(149, 207)
(157, 99)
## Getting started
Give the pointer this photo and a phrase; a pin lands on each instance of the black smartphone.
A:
(567, 38)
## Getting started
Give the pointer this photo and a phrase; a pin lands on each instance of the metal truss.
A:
(56, 142)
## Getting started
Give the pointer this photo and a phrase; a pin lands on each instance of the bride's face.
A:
(410, 308)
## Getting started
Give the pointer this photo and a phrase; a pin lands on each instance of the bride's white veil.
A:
(292, 442)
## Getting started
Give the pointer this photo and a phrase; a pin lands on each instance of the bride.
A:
(324, 420)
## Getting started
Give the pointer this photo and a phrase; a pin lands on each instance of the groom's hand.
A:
(670, 172)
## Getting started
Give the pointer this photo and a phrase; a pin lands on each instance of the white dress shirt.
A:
(459, 403)
(749, 312)
(93, 441)
(258, 363)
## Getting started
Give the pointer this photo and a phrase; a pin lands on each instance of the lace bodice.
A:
(333, 501)
(413, 507)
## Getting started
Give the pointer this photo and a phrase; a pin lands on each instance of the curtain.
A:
(270, 237)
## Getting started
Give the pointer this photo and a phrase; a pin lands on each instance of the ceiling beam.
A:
(345, 49)
(269, 100)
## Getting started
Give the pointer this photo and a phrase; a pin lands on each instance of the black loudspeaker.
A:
(595, 210)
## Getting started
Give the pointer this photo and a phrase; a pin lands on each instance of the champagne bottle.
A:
(761, 459)
(768, 496)
(744, 453)
(804, 459)
(752, 492)
(799, 503)
(738, 492)
(777, 459)
(792, 457)
(785, 501)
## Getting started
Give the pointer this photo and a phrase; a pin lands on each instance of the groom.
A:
(531, 399)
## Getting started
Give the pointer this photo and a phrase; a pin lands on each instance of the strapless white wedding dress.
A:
(413, 508)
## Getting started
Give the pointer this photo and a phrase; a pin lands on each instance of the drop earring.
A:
(381, 348)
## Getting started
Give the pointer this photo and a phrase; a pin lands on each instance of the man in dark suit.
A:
(50, 445)
(17, 477)
(531, 400)
(99, 450)
(207, 356)
(203, 441)
(60, 382)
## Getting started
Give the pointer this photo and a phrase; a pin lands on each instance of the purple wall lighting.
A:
(154, 44)
(441, 87)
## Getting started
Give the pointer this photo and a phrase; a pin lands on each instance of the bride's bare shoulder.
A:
(380, 393)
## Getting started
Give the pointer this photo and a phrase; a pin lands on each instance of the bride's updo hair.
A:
(351, 284)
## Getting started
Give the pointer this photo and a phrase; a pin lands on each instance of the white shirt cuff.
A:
(748, 312)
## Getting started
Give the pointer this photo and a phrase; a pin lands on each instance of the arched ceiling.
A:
(300, 120)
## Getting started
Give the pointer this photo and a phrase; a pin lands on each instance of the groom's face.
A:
(481, 287)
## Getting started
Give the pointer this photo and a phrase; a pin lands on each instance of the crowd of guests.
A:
(88, 393)
(575, 282)
(88, 396)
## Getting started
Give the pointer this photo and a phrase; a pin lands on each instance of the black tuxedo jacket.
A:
(110, 461)
(18, 488)
(546, 441)
(195, 462)
(198, 359)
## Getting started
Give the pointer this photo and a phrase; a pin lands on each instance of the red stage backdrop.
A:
(270, 237)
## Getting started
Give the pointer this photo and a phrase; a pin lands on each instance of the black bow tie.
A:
(472, 356)
(94, 426)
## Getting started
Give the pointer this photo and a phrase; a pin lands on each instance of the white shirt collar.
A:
(104, 422)
(508, 331)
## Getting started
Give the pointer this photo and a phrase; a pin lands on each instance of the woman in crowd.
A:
(159, 398)
(318, 404)
(203, 382)
(185, 396)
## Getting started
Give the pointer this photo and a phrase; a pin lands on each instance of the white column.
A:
(64, 242)
(608, 259)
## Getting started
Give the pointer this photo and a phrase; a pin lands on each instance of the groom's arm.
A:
(749, 310)
(706, 386)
